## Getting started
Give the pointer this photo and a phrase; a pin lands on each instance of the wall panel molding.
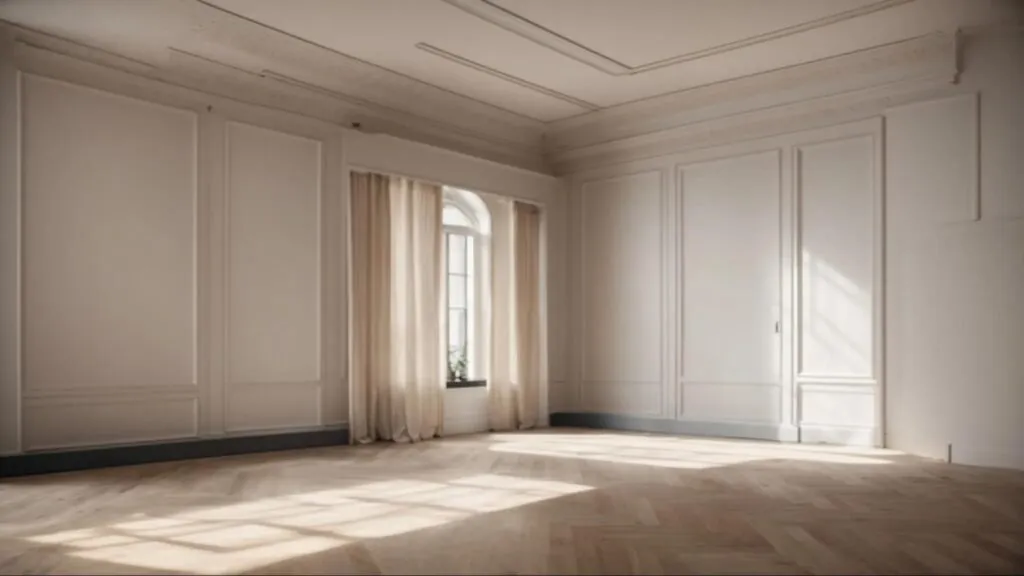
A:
(840, 401)
(62, 423)
(151, 239)
(620, 230)
(709, 188)
(10, 259)
(749, 402)
(629, 398)
(256, 395)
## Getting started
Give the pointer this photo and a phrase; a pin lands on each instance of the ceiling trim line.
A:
(132, 62)
(376, 108)
(76, 63)
(534, 32)
(929, 55)
(209, 4)
(463, 61)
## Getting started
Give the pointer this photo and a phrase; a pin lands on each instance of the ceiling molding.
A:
(52, 56)
(208, 60)
(462, 61)
(933, 55)
(46, 41)
(754, 124)
(552, 40)
(480, 105)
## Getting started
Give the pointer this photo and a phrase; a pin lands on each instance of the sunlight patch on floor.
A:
(248, 535)
(674, 452)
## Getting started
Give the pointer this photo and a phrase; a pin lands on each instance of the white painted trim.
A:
(873, 383)
(530, 30)
(142, 391)
(11, 206)
(775, 121)
(490, 133)
(664, 378)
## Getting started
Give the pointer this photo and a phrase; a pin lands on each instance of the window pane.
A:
(456, 291)
(456, 329)
(452, 216)
(457, 253)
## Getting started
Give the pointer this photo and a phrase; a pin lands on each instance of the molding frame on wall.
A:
(784, 383)
(822, 427)
(11, 205)
(582, 382)
(873, 383)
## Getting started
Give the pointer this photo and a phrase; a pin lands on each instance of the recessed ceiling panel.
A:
(387, 32)
(642, 32)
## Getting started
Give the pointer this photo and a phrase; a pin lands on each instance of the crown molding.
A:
(525, 28)
(926, 57)
(50, 55)
(424, 98)
(755, 124)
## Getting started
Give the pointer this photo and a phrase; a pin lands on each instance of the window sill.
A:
(466, 384)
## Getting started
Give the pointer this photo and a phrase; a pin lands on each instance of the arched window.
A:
(466, 238)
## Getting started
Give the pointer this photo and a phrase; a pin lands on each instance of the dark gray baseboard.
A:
(49, 462)
(664, 426)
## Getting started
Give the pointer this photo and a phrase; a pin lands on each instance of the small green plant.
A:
(457, 365)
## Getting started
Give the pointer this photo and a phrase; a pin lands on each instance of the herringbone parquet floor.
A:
(553, 501)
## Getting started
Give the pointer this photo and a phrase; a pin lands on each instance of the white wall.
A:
(920, 353)
(173, 264)
(735, 290)
(955, 260)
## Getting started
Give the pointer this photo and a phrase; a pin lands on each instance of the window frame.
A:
(476, 322)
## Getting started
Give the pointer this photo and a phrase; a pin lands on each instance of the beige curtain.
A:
(396, 367)
(518, 361)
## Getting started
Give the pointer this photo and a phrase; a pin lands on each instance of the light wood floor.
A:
(554, 501)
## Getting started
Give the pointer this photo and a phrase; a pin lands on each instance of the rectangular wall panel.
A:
(626, 398)
(621, 324)
(273, 295)
(73, 422)
(836, 194)
(109, 242)
(730, 402)
(731, 275)
(267, 406)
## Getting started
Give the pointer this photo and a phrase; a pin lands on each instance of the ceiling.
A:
(520, 65)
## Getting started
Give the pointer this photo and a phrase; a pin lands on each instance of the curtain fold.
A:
(517, 359)
(396, 367)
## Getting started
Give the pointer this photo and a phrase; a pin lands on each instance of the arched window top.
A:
(464, 209)
(454, 216)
